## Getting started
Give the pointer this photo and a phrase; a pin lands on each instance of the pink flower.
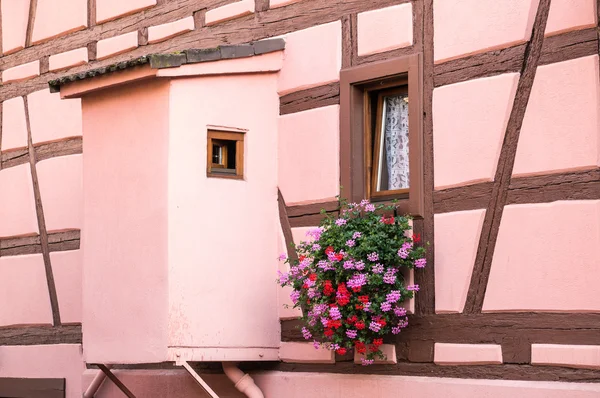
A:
(374, 326)
(306, 333)
(340, 221)
(414, 288)
(356, 235)
(373, 256)
(367, 362)
(283, 257)
(370, 207)
(403, 254)
(420, 263)
(350, 243)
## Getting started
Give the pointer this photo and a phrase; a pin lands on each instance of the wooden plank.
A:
(311, 98)
(116, 381)
(32, 387)
(40, 335)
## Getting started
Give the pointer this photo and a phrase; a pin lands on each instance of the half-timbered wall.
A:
(511, 121)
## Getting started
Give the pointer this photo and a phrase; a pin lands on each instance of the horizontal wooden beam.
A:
(30, 244)
(40, 334)
(44, 150)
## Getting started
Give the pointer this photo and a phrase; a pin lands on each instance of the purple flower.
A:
(407, 245)
(348, 264)
(359, 265)
(367, 362)
(312, 322)
(390, 277)
(319, 309)
(420, 263)
(334, 313)
(393, 296)
(316, 344)
(364, 202)
(304, 263)
(324, 321)
(396, 329)
(312, 293)
(334, 347)
(283, 257)
(315, 233)
(357, 280)
(350, 243)
(414, 288)
(370, 207)
(386, 306)
(373, 256)
(294, 271)
(375, 326)
(340, 221)
(402, 253)
(377, 269)
(284, 277)
(399, 311)
(351, 333)
(295, 296)
(367, 306)
(356, 235)
(306, 333)
(403, 324)
(316, 247)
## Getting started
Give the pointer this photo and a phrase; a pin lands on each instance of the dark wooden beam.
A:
(40, 335)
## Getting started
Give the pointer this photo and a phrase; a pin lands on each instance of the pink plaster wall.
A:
(385, 29)
(15, 14)
(14, 125)
(281, 3)
(309, 168)
(166, 31)
(229, 11)
(45, 361)
(456, 241)
(283, 293)
(469, 122)
(21, 72)
(313, 57)
(305, 352)
(68, 59)
(223, 233)
(111, 9)
(67, 268)
(57, 17)
(52, 118)
(572, 356)
(17, 204)
(467, 354)
(561, 129)
(546, 258)
(568, 15)
(463, 27)
(61, 188)
(125, 216)
(116, 45)
(23, 285)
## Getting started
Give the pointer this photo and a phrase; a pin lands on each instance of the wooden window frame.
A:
(219, 135)
(355, 111)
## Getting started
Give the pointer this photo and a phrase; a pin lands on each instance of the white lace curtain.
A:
(395, 133)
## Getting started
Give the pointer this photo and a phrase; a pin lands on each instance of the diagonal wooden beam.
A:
(286, 227)
(115, 380)
(493, 215)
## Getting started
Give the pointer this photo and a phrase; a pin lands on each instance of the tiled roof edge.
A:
(175, 59)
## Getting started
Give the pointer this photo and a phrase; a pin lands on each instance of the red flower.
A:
(305, 286)
(328, 332)
(301, 258)
(363, 299)
(387, 220)
(377, 342)
(382, 322)
(339, 257)
(327, 288)
(334, 324)
(360, 347)
(360, 325)
(352, 319)
(416, 238)
(343, 300)
(356, 289)
(312, 277)
(359, 306)
(341, 351)
(329, 250)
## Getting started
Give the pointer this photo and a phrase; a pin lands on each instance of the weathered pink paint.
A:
(250, 267)
(21, 72)
(23, 285)
(52, 118)
(388, 350)
(281, 3)
(309, 169)
(385, 29)
(270, 62)
(313, 57)
(456, 241)
(166, 31)
(14, 25)
(229, 11)
(68, 59)
(125, 291)
(469, 121)
(67, 269)
(561, 129)
(45, 361)
(116, 45)
(58, 17)
(566, 15)
(111, 80)
(463, 27)
(111, 9)
(305, 353)
(17, 204)
(467, 354)
(61, 188)
(571, 356)
(285, 303)
(533, 271)
(14, 125)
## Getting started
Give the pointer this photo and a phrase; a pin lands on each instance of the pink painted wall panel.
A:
(52, 118)
(304, 353)
(21, 72)
(124, 240)
(309, 168)
(15, 14)
(467, 354)
(45, 361)
(385, 29)
(464, 27)
(166, 31)
(532, 252)
(68, 59)
(58, 17)
(67, 269)
(313, 57)
(17, 204)
(456, 241)
(23, 291)
(61, 188)
(469, 122)
(14, 125)
(561, 129)
(568, 15)
(571, 356)
(111, 9)
(229, 11)
(116, 45)
(207, 241)
(281, 3)
(283, 293)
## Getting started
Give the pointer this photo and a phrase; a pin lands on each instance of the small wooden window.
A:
(225, 154)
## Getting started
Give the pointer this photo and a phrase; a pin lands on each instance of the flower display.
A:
(349, 279)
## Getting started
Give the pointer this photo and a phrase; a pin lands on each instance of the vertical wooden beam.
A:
(286, 228)
(346, 42)
(30, 22)
(41, 222)
(493, 215)
(353, 39)
(91, 13)
(261, 5)
(115, 380)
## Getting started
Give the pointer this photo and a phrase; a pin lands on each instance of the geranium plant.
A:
(349, 280)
